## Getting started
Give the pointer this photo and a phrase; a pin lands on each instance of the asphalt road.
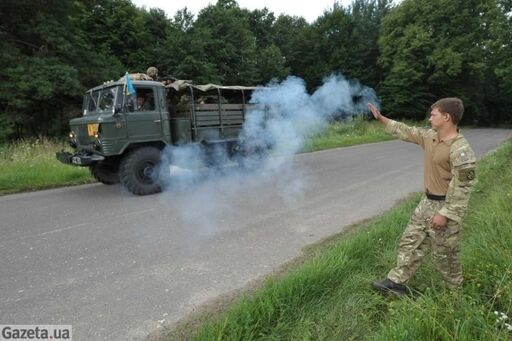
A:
(118, 267)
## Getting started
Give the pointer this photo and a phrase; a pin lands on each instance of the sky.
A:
(308, 9)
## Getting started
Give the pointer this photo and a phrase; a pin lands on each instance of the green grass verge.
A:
(28, 165)
(329, 296)
(344, 134)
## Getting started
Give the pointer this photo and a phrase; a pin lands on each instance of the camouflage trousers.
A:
(419, 239)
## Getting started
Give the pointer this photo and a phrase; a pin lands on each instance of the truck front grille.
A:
(107, 147)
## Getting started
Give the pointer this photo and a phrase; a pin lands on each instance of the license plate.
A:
(92, 129)
(76, 160)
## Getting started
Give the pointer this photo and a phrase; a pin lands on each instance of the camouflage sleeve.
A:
(406, 133)
(463, 174)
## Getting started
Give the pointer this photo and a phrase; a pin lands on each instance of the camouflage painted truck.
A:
(120, 136)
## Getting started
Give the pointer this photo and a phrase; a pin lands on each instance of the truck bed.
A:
(207, 122)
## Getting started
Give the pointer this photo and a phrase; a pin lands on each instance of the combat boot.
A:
(387, 286)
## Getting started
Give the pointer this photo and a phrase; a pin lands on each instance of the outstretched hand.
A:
(376, 113)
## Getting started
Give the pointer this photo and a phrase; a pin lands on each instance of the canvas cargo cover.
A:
(180, 85)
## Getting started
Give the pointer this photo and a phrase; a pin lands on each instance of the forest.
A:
(411, 53)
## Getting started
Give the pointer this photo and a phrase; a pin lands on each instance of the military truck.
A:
(121, 135)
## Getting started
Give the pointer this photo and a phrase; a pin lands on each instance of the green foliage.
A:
(499, 89)
(289, 35)
(441, 48)
(27, 165)
(229, 43)
(118, 26)
(271, 65)
(414, 53)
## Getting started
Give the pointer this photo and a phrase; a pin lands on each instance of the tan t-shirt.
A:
(449, 166)
(437, 167)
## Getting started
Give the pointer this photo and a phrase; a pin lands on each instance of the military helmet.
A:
(152, 72)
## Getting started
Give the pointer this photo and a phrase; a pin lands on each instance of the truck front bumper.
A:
(78, 159)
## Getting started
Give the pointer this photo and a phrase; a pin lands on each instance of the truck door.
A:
(144, 123)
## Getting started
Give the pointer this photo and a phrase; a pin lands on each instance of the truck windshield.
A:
(102, 100)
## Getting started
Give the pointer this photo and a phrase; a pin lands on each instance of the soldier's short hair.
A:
(452, 106)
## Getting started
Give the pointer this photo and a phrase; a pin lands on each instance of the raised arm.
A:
(398, 129)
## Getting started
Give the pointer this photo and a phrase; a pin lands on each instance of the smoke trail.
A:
(282, 117)
(287, 114)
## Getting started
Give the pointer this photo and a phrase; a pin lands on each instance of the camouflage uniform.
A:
(419, 237)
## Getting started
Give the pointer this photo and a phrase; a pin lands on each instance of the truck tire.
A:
(106, 174)
(139, 171)
(215, 156)
(252, 160)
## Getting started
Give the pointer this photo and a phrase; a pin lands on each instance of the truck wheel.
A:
(139, 171)
(106, 174)
(215, 156)
(253, 159)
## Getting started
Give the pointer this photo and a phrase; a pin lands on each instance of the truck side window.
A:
(145, 100)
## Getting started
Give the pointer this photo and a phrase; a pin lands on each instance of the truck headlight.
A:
(72, 139)
(97, 142)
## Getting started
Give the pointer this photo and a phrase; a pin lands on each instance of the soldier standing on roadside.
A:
(449, 171)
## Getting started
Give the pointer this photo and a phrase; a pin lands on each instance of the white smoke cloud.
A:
(283, 116)
(288, 115)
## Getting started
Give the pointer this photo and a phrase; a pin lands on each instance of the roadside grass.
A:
(344, 134)
(329, 296)
(28, 165)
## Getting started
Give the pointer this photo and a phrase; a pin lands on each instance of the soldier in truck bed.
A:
(435, 225)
